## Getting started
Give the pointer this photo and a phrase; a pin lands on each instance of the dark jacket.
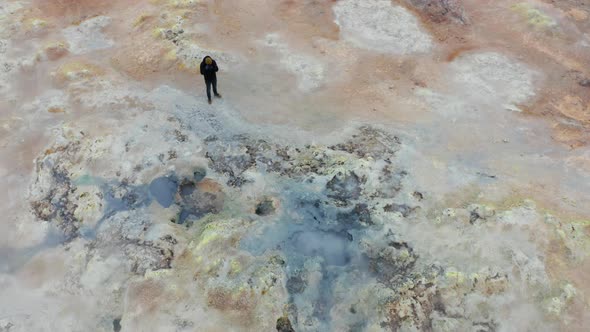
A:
(209, 70)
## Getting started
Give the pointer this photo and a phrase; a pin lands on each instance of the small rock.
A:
(5, 325)
(585, 82)
(404, 209)
(180, 137)
(284, 325)
(486, 175)
(266, 207)
(360, 214)
(117, 324)
(277, 260)
(344, 187)
(418, 195)
(296, 285)
(172, 154)
(480, 213)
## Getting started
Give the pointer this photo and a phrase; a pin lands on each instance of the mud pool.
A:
(410, 165)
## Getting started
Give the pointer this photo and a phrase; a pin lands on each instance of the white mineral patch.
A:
(441, 103)
(378, 25)
(51, 99)
(7, 10)
(477, 81)
(309, 72)
(492, 77)
(88, 36)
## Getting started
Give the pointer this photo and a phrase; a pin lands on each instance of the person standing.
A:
(208, 70)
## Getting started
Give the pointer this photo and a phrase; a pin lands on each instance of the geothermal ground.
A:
(373, 165)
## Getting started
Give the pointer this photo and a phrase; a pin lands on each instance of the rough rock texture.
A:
(370, 142)
(492, 75)
(54, 195)
(440, 11)
(284, 325)
(87, 36)
(134, 235)
(334, 223)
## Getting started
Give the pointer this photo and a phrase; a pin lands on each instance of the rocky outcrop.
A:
(344, 211)
(441, 11)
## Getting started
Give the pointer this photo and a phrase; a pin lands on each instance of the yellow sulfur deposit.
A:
(141, 19)
(35, 25)
(534, 16)
(74, 71)
(456, 276)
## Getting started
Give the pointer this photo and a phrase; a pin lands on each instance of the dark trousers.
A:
(209, 82)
